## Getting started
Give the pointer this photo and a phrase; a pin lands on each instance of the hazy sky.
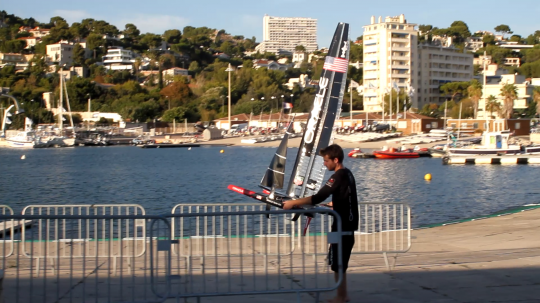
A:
(239, 17)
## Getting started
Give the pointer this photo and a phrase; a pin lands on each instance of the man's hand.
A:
(289, 204)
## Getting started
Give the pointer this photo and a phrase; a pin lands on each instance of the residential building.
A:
(60, 54)
(303, 81)
(169, 74)
(270, 64)
(118, 58)
(513, 45)
(438, 65)
(390, 52)
(281, 35)
(512, 62)
(494, 82)
(11, 59)
(473, 44)
(299, 57)
(175, 71)
(30, 41)
(481, 60)
(39, 32)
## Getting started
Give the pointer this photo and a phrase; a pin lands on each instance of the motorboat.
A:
(393, 153)
(493, 143)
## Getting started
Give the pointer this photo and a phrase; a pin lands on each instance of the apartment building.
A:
(495, 81)
(438, 65)
(281, 35)
(60, 54)
(118, 58)
(390, 52)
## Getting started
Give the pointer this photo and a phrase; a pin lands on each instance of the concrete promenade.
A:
(491, 260)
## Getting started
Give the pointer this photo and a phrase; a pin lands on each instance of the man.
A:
(342, 187)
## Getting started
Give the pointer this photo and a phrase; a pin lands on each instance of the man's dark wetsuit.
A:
(342, 187)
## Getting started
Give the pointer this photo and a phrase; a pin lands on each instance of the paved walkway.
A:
(491, 260)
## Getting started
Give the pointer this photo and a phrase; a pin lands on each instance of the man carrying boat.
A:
(342, 187)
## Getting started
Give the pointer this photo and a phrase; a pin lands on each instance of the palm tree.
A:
(493, 105)
(509, 93)
(475, 93)
(137, 65)
(536, 98)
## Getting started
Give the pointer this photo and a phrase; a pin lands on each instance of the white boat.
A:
(493, 143)
(26, 139)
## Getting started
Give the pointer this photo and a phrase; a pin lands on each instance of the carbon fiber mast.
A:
(308, 172)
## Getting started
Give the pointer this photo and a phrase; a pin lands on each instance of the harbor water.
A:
(159, 179)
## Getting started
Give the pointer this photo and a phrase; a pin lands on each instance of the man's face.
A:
(330, 163)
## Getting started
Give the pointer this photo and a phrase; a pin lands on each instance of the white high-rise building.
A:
(282, 35)
(390, 52)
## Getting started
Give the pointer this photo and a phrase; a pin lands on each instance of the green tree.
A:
(78, 31)
(454, 89)
(172, 36)
(515, 38)
(475, 93)
(79, 55)
(488, 40)
(493, 105)
(536, 98)
(176, 113)
(503, 29)
(509, 94)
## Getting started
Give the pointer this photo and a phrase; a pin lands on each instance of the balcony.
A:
(402, 40)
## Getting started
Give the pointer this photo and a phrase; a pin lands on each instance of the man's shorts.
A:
(348, 243)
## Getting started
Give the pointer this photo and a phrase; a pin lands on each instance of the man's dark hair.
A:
(333, 151)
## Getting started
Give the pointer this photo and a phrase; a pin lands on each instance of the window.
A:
(475, 125)
(453, 125)
(518, 125)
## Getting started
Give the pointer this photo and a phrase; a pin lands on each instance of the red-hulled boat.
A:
(394, 154)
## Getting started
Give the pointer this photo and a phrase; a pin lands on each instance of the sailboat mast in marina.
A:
(308, 171)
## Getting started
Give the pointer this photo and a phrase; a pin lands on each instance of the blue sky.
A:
(243, 17)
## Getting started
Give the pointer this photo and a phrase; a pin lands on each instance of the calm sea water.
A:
(158, 179)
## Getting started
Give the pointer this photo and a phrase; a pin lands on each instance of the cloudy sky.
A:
(244, 17)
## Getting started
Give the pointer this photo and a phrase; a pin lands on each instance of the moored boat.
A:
(395, 154)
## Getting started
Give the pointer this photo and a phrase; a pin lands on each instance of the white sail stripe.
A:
(279, 172)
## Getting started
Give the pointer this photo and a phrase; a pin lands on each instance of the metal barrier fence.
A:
(6, 228)
(88, 277)
(87, 233)
(251, 270)
(383, 228)
(200, 236)
(156, 276)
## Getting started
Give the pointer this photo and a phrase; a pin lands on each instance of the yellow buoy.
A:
(427, 177)
(221, 151)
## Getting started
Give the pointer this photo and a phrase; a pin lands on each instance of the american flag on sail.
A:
(336, 64)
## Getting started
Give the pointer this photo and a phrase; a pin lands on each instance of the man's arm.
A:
(298, 202)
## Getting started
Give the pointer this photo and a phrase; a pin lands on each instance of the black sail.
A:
(308, 171)
(275, 173)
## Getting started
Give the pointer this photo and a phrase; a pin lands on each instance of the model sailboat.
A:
(308, 171)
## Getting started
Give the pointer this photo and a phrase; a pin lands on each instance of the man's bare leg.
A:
(341, 294)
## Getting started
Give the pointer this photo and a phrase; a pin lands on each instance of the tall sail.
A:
(275, 173)
(308, 171)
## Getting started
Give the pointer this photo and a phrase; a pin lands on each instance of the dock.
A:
(7, 226)
(492, 159)
(168, 145)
